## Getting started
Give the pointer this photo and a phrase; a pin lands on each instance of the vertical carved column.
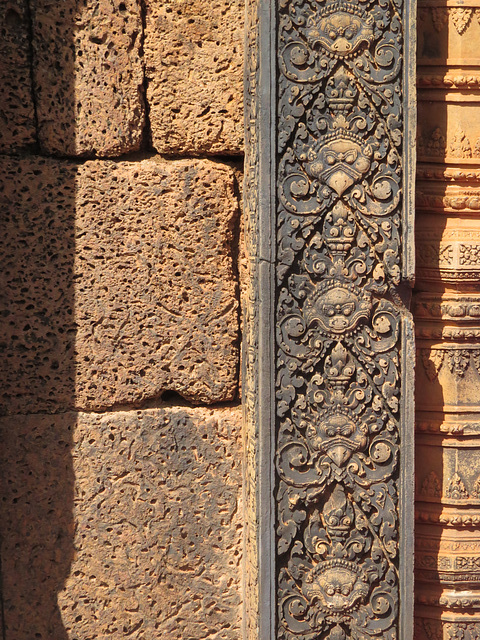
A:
(328, 360)
(447, 314)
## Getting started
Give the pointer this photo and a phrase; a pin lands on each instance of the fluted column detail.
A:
(447, 315)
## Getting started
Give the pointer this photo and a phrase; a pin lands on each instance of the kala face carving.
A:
(341, 29)
(339, 160)
(337, 308)
(338, 433)
(336, 586)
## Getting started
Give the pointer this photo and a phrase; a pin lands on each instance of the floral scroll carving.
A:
(338, 318)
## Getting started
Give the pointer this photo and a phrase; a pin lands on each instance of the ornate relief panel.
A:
(328, 364)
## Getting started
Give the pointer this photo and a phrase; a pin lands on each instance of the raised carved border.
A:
(260, 321)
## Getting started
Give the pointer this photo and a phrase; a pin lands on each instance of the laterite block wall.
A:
(121, 136)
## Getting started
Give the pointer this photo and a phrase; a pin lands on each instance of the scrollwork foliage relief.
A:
(339, 176)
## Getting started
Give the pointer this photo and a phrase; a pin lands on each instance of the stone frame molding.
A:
(328, 338)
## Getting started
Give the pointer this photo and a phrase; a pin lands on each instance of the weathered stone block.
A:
(17, 117)
(88, 76)
(117, 283)
(194, 69)
(126, 524)
(37, 325)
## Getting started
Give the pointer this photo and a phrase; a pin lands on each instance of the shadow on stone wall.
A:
(429, 401)
(116, 284)
(37, 339)
(37, 381)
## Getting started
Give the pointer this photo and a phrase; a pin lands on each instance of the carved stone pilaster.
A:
(447, 319)
(328, 361)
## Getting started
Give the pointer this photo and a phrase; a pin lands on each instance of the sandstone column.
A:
(328, 345)
(447, 314)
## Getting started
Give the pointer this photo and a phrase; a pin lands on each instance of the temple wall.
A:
(121, 136)
(121, 142)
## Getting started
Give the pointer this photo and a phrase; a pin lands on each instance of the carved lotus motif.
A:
(342, 30)
(336, 586)
(338, 434)
(340, 161)
(337, 308)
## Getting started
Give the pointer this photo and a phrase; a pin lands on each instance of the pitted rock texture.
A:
(17, 116)
(88, 76)
(194, 70)
(37, 325)
(117, 283)
(132, 519)
(156, 303)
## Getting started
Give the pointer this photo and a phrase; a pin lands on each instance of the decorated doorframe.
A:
(328, 337)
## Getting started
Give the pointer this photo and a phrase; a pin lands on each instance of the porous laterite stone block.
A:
(117, 283)
(88, 75)
(122, 525)
(17, 115)
(194, 70)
